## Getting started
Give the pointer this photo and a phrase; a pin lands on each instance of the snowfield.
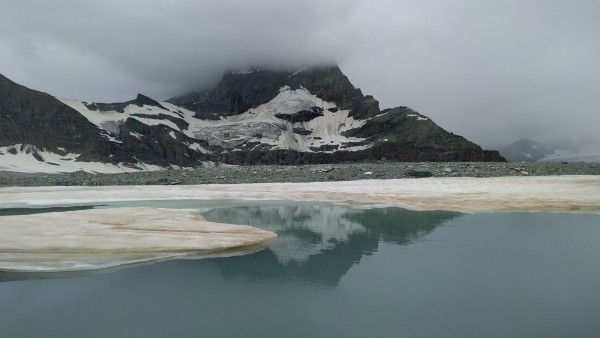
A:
(26, 158)
(462, 194)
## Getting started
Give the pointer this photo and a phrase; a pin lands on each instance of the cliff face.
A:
(314, 115)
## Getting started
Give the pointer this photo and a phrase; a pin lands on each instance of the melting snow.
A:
(463, 194)
(244, 72)
(299, 71)
(24, 161)
(197, 147)
(136, 135)
(101, 238)
(418, 116)
(260, 124)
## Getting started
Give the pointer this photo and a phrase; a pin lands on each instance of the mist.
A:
(491, 71)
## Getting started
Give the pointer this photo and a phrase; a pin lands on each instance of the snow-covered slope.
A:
(272, 123)
(28, 158)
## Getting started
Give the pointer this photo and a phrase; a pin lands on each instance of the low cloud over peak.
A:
(492, 71)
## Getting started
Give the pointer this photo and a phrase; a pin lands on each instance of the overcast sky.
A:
(492, 71)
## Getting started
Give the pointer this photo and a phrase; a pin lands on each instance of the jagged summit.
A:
(239, 91)
(257, 116)
(141, 100)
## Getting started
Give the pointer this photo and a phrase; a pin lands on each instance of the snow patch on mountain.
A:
(261, 124)
(30, 159)
(111, 120)
(136, 135)
(258, 126)
(297, 72)
(245, 72)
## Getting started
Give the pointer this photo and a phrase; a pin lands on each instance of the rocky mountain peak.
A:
(142, 100)
(239, 91)
(255, 116)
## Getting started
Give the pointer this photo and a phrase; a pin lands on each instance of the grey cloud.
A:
(493, 71)
(111, 49)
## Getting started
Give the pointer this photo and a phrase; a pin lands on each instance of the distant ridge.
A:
(525, 150)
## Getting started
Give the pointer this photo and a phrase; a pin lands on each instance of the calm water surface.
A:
(337, 272)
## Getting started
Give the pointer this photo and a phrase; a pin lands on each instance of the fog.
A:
(492, 71)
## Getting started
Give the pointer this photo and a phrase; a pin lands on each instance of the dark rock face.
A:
(301, 131)
(157, 146)
(235, 94)
(392, 152)
(419, 173)
(31, 117)
(139, 101)
(142, 100)
(302, 116)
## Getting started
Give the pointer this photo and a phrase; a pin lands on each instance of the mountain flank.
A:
(308, 116)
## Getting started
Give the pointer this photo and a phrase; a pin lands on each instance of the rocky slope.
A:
(313, 115)
(32, 120)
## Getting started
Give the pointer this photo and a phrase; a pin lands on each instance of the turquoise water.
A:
(338, 272)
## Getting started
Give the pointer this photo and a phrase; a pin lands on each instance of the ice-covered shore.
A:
(462, 194)
(100, 238)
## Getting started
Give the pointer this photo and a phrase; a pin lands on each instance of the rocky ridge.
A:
(584, 150)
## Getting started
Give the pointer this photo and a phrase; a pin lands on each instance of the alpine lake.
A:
(334, 271)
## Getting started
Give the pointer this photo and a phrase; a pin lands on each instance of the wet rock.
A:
(419, 173)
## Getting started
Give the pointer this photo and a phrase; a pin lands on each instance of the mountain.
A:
(313, 115)
(525, 150)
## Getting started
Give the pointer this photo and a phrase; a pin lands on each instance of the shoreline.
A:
(230, 174)
(572, 194)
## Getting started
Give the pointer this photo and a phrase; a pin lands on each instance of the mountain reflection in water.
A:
(320, 243)
(337, 272)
